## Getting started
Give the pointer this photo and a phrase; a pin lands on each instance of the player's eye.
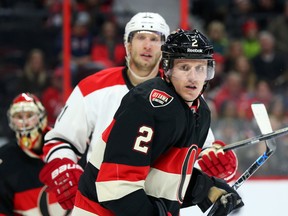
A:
(200, 69)
(184, 67)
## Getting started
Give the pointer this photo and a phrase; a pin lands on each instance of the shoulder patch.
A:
(159, 98)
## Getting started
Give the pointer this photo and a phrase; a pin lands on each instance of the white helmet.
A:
(146, 21)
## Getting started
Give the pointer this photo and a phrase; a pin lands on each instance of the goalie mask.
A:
(27, 117)
(187, 45)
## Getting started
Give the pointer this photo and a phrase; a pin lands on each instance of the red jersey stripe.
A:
(102, 80)
(106, 133)
(112, 171)
(169, 162)
(27, 199)
(84, 203)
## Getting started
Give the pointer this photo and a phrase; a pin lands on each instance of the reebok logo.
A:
(194, 50)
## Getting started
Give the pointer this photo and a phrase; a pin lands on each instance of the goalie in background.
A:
(143, 164)
(21, 192)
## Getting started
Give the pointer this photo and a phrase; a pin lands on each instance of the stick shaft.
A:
(252, 169)
(256, 139)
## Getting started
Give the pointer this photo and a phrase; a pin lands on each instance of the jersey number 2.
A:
(142, 141)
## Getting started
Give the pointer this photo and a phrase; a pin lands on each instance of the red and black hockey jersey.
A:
(21, 192)
(146, 153)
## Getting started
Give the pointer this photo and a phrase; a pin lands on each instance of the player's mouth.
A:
(192, 87)
(146, 56)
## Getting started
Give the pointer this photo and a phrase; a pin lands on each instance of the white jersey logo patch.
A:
(159, 98)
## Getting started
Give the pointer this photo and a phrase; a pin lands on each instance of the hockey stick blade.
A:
(262, 118)
(264, 124)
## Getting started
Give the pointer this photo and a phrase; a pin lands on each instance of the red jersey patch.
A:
(159, 98)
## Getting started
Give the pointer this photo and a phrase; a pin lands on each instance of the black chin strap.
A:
(190, 101)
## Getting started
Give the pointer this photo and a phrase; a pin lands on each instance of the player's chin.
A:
(189, 97)
(147, 65)
(191, 94)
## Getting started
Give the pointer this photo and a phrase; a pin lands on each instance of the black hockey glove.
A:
(226, 202)
(207, 191)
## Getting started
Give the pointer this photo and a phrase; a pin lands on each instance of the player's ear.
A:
(128, 49)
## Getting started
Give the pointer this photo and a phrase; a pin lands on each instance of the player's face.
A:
(25, 120)
(188, 77)
(145, 52)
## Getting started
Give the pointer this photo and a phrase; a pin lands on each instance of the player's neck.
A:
(135, 79)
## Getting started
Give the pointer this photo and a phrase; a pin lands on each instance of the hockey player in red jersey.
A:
(143, 163)
(94, 101)
(21, 192)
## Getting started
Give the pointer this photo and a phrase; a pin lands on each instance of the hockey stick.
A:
(256, 139)
(264, 124)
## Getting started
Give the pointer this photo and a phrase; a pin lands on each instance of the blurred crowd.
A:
(251, 53)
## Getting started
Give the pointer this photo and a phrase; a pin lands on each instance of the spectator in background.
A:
(229, 126)
(277, 114)
(265, 9)
(81, 45)
(244, 67)
(262, 94)
(217, 35)
(279, 28)
(108, 49)
(54, 19)
(52, 96)
(35, 76)
(217, 10)
(218, 79)
(251, 44)
(269, 64)
(99, 11)
(231, 90)
(21, 192)
(240, 11)
(235, 49)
